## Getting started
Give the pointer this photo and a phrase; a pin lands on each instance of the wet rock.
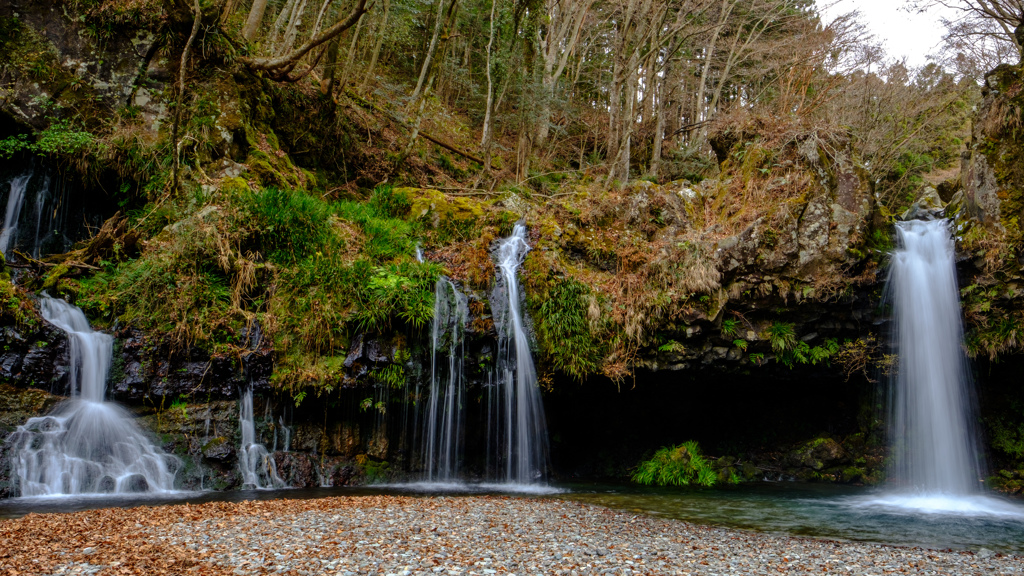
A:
(219, 450)
(296, 469)
(927, 206)
(136, 483)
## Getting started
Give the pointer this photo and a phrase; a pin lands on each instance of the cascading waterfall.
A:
(19, 185)
(256, 464)
(445, 416)
(517, 428)
(935, 457)
(933, 439)
(86, 445)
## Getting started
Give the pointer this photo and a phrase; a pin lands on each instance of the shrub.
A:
(680, 465)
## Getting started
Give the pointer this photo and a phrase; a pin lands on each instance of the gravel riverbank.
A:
(438, 535)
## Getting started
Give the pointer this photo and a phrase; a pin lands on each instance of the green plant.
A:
(730, 328)
(803, 353)
(389, 203)
(740, 343)
(781, 336)
(680, 465)
(671, 346)
(392, 376)
(180, 404)
(565, 328)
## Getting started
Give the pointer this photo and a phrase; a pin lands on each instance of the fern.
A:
(680, 465)
(730, 328)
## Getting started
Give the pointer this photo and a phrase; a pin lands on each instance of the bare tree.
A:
(982, 25)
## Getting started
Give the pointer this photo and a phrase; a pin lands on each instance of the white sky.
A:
(902, 32)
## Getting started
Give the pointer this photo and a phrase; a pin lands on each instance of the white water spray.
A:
(255, 463)
(521, 430)
(86, 445)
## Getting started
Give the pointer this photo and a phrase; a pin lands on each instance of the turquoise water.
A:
(826, 511)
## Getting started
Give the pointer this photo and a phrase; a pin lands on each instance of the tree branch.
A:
(280, 66)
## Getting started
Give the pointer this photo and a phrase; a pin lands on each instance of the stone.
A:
(817, 454)
(219, 450)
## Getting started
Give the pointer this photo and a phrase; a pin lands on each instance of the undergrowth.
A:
(311, 272)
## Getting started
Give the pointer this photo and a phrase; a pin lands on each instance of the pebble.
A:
(466, 536)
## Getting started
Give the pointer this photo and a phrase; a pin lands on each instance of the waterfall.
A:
(517, 429)
(932, 434)
(14, 201)
(255, 463)
(86, 445)
(445, 409)
(41, 197)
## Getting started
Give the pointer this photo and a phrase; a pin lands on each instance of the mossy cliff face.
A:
(989, 214)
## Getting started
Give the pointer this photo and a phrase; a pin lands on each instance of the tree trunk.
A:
(176, 126)
(351, 54)
(376, 48)
(252, 23)
(327, 86)
(279, 23)
(424, 70)
(485, 140)
(292, 31)
(658, 97)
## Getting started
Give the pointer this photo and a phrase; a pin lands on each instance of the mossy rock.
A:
(818, 454)
(19, 404)
(434, 208)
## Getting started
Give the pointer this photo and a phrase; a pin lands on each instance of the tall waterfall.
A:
(933, 439)
(15, 199)
(86, 445)
(445, 412)
(518, 431)
(254, 462)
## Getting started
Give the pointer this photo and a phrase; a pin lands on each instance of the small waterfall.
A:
(256, 464)
(517, 429)
(19, 185)
(933, 439)
(41, 197)
(86, 445)
(445, 409)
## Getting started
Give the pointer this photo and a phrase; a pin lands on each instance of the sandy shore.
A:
(406, 535)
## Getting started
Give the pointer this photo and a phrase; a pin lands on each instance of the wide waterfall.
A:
(517, 431)
(445, 412)
(255, 463)
(86, 445)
